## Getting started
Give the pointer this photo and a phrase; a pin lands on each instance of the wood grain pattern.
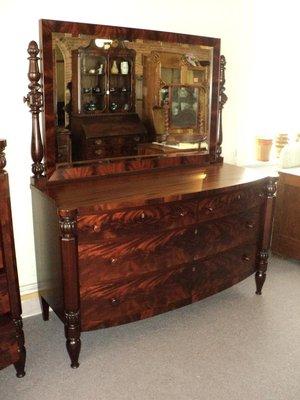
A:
(153, 187)
(286, 235)
(93, 223)
(140, 254)
(9, 353)
(12, 350)
(122, 33)
(162, 291)
(4, 298)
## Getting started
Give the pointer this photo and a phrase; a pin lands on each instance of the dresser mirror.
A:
(117, 93)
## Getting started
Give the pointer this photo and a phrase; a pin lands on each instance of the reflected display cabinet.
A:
(12, 350)
(103, 119)
(121, 238)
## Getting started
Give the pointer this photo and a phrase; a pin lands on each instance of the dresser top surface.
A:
(160, 185)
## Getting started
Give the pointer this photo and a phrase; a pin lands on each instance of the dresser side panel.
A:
(47, 250)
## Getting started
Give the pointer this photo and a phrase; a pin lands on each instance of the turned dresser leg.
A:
(45, 309)
(72, 332)
(20, 364)
(263, 254)
(69, 251)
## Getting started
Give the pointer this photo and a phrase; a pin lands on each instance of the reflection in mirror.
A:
(120, 98)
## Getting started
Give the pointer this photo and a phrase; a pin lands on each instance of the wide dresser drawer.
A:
(97, 223)
(108, 304)
(105, 261)
(4, 298)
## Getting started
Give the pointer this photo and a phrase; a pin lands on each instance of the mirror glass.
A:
(120, 98)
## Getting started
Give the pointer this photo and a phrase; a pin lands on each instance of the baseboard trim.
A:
(30, 300)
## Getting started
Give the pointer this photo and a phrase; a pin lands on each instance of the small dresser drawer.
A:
(223, 271)
(123, 301)
(136, 221)
(220, 205)
(4, 298)
(105, 261)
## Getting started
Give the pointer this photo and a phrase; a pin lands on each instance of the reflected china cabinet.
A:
(103, 121)
(122, 238)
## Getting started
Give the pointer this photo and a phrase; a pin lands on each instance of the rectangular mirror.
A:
(113, 92)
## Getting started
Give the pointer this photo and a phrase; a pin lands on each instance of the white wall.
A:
(231, 20)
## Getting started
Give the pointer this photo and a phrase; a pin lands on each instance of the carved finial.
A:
(2, 155)
(34, 100)
(271, 187)
(222, 100)
(68, 223)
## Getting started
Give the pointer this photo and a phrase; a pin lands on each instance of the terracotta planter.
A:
(263, 148)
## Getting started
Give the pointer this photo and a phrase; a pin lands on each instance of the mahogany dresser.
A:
(119, 239)
(286, 233)
(12, 350)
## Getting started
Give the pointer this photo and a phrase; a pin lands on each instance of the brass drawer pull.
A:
(113, 260)
(210, 209)
(96, 228)
(98, 152)
(245, 257)
(137, 138)
(238, 197)
(196, 231)
(143, 215)
(115, 301)
(194, 269)
(98, 141)
(250, 225)
(182, 213)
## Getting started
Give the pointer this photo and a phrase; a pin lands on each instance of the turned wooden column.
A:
(263, 254)
(222, 100)
(34, 100)
(69, 252)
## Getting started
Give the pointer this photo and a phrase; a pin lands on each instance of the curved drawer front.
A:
(4, 299)
(104, 262)
(104, 305)
(232, 202)
(94, 225)
(136, 221)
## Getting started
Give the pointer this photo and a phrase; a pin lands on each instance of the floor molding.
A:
(30, 300)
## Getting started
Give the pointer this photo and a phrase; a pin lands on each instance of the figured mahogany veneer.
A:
(12, 350)
(119, 240)
(135, 245)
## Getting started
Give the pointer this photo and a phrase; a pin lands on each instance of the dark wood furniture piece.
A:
(286, 233)
(118, 240)
(12, 350)
(103, 119)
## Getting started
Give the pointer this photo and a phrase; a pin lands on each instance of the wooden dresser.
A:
(131, 251)
(12, 350)
(286, 234)
(119, 239)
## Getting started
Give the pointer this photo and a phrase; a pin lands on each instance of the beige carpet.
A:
(234, 345)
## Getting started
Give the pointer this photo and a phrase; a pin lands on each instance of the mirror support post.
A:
(34, 100)
(222, 100)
